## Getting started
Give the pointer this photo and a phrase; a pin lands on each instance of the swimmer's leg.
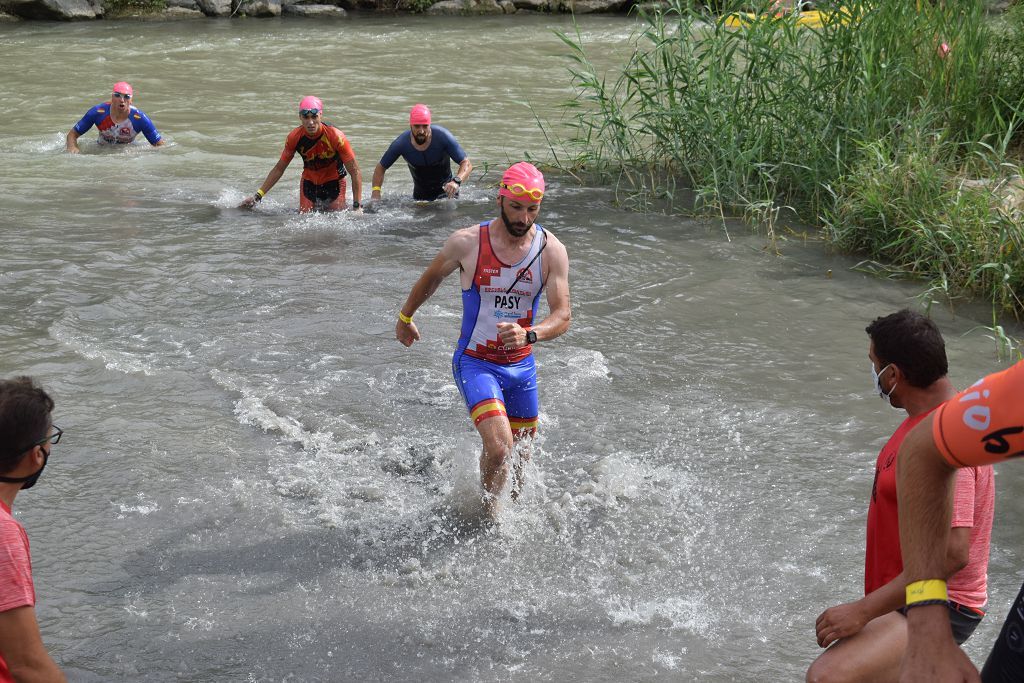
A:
(523, 431)
(519, 386)
(493, 426)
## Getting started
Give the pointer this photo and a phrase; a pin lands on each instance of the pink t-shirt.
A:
(973, 506)
(16, 588)
(974, 503)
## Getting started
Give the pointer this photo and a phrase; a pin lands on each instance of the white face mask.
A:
(876, 378)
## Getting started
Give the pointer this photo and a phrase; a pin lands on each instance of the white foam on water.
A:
(668, 660)
(54, 143)
(678, 614)
(144, 506)
(112, 359)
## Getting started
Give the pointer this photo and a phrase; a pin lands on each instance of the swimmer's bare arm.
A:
(71, 143)
(272, 178)
(556, 282)
(843, 621)
(357, 181)
(924, 486)
(378, 180)
(456, 250)
(21, 646)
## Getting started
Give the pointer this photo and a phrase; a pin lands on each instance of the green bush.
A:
(829, 122)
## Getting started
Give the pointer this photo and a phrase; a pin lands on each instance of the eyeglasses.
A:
(53, 438)
(309, 113)
(519, 190)
(122, 96)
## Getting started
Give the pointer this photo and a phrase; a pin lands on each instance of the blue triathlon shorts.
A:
(492, 390)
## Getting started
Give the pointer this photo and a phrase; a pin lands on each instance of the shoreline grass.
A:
(865, 129)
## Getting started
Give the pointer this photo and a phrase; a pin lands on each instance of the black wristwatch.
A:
(457, 180)
(531, 337)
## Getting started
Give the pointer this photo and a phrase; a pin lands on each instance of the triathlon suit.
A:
(494, 380)
(123, 133)
(430, 168)
(980, 426)
(322, 186)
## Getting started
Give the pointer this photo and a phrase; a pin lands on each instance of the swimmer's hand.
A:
(512, 336)
(406, 332)
(248, 202)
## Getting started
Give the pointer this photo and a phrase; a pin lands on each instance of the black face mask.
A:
(30, 480)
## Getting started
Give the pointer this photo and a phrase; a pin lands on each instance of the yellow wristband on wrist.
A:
(376, 188)
(929, 590)
(404, 318)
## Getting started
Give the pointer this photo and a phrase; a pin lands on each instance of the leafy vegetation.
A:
(896, 129)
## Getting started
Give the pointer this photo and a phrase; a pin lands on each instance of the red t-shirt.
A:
(16, 588)
(974, 503)
(323, 157)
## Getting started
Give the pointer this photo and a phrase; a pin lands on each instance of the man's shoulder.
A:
(333, 130)
(464, 240)
(296, 134)
(470, 232)
(11, 531)
(553, 242)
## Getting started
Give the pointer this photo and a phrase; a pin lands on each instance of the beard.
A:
(516, 229)
(420, 139)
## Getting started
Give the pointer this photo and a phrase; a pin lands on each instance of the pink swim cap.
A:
(310, 102)
(123, 88)
(522, 181)
(420, 115)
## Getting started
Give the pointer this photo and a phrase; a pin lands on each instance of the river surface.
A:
(258, 483)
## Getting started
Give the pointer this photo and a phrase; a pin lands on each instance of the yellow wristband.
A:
(404, 318)
(928, 590)
(376, 188)
(260, 193)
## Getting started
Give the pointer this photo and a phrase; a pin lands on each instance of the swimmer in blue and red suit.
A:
(504, 265)
(117, 121)
(428, 150)
(327, 157)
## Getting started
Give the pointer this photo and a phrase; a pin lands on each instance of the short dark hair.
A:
(913, 343)
(24, 419)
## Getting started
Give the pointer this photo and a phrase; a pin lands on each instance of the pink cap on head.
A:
(124, 89)
(522, 181)
(310, 102)
(419, 115)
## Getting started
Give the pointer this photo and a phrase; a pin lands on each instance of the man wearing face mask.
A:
(27, 435)
(868, 636)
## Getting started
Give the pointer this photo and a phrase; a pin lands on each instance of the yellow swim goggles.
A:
(520, 190)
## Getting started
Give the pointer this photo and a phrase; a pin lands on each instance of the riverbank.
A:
(170, 10)
(897, 134)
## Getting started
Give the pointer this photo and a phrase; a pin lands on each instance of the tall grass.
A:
(863, 127)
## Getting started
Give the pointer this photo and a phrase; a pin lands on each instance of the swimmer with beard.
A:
(504, 266)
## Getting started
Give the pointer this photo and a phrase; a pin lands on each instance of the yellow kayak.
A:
(811, 18)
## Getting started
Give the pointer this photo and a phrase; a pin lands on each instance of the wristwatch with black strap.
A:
(531, 337)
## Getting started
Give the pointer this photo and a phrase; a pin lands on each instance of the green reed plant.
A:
(860, 126)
